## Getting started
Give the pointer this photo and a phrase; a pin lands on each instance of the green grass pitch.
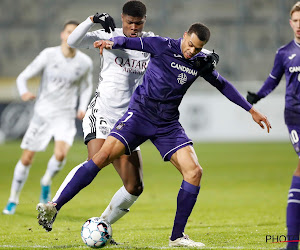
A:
(242, 199)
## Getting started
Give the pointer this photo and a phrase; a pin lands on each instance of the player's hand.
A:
(106, 21)
(206, 65)
(103, 44)
(260, 119)
(80, 114)
(252, 98)
(28, 96)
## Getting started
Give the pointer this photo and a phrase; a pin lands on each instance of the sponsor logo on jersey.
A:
(294, 69)
(292, 56)
(182, 78)
(184, 68)
(132, 65)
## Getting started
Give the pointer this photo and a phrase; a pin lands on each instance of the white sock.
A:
(53, 167)
(20, 176)
(118, 206)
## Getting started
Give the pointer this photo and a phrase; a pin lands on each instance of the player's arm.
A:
(271, 82)
(153, 45)
(227, 89)
(81, 38)
(33, 69)
(85, 92)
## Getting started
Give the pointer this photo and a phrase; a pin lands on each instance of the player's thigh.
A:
(27, 157)
(294, 132)
(130, 169)
(93, 146)
(61, 149)
(186, 161)
(38, 134)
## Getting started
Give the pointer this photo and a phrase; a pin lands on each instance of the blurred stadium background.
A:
(246, 35)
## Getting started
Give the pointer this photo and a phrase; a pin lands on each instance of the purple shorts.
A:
(134, 128)
(294, 132)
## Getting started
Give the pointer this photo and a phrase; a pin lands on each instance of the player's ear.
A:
(184, 34)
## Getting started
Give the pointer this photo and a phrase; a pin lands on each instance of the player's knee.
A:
(60, 156)
(134, 189)
(194, 174)
(26, 159)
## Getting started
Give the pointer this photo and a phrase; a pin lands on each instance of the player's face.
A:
(133, 26)
(66, 32)
(295, 24)
(191, 45)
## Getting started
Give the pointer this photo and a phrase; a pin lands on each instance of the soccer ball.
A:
(96, 232)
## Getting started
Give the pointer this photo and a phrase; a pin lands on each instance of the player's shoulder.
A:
(286, 47)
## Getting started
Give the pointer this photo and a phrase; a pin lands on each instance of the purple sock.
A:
(293, 213)
(81, 178)
(186, 200)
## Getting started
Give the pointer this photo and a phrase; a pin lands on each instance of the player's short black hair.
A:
(70, 22)
(202, 32)
(134, 8)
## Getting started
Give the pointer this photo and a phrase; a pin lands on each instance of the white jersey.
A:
(63, 80)
(121, 72)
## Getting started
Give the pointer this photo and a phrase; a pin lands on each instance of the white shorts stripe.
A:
(124, 140)
(175, 148)
(294, 201)
(294, 190)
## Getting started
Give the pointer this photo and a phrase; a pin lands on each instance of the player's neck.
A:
(297, 40)
(68, 51)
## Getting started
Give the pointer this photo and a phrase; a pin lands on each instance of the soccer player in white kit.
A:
(66, 76)
(121, 73)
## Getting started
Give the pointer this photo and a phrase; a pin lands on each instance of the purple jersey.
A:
(287, 61)
(168, 77)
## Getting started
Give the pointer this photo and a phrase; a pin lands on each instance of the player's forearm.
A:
(269, 85)
(22, 83)
(128, 43)
(75, 39)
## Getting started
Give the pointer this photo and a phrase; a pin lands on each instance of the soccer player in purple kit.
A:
(287, 61)
(153, 114)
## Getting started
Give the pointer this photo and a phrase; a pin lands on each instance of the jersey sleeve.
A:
(274, 77)
(33, 69)
(152, 45)
(227, 89)
(81, 38)
(86, 88)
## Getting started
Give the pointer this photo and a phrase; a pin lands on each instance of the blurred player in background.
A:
(153, 114)
(66, 73)
(120, 73)
(287, 61)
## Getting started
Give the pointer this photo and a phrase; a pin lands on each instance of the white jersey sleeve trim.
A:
(273, 77)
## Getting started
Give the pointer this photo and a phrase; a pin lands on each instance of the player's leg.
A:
(55, 164)
(64, 131)
(175, 146)
(293, 206)
(79, 178)
(129, 167)
(36, 139)
(20, 176)
(185, 160)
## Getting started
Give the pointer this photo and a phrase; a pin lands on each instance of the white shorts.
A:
(96, 124)
(41, 130)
